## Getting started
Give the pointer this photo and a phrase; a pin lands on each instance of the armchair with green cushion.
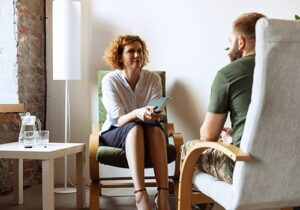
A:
(116, 157)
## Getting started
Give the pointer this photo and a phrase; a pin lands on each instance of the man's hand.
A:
(226, 135)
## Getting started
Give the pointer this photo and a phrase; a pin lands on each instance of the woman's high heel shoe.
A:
(142, 197)
(140, 190)
(204, 206)
(155, 197)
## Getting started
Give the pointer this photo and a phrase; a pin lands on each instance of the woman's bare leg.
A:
(135, 155)
(158, 156)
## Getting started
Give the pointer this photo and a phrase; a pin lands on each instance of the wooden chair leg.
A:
(94, 196)
(100, 191)
(175, 182)
(171, 187)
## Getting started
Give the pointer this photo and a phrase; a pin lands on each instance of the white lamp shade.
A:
(66, 39)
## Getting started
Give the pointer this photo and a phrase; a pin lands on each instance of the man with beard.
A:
(230, 93)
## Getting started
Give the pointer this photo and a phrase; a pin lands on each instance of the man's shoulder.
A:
(238, 65)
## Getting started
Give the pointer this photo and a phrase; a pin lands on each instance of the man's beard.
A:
(235, 53)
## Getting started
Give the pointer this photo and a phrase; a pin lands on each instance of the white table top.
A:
(53, 150)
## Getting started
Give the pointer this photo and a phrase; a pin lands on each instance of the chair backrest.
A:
(101, 73)
(272, 130)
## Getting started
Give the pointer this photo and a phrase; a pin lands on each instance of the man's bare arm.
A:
(212, 126)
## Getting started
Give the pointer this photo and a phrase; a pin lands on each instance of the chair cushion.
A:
(116, 157)
(221, 192)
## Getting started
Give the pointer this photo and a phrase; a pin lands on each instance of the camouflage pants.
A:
(211, 161)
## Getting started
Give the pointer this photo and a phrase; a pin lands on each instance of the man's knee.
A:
(214, 162)
(184, 149)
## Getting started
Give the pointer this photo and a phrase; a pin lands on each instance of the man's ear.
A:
(241, 42)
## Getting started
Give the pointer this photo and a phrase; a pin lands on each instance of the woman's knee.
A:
(135, 127)
(135, 135)
(154, 130)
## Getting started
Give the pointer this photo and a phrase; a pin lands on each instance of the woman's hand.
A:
(147, 114)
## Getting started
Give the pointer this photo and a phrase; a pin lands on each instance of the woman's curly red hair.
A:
(114, 51)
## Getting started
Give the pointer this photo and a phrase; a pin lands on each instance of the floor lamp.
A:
(66, 33)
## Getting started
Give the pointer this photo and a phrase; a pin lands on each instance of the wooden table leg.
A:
(18, 181)
(80, 180)
(48, 184)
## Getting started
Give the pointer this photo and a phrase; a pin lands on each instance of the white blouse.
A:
(119, 99)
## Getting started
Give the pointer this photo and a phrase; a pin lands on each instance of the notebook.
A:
(159, 103)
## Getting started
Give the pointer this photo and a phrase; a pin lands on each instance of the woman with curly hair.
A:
(131, 124)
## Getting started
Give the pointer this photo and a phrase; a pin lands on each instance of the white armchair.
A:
(269, 177)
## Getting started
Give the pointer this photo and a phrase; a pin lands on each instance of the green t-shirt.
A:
(231, 92)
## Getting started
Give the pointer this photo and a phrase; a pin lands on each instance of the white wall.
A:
(8, 54)
(186, 38)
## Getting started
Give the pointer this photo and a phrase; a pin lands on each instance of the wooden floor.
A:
(112, 199)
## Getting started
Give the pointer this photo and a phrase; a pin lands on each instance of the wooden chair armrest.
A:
(93, 147)
(170, 128)
(178, 141)
(233, 152)
(189, 163)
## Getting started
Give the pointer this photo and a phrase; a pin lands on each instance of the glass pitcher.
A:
(28, 123)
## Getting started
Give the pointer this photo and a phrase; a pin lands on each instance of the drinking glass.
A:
(43, 138)
(30, 138)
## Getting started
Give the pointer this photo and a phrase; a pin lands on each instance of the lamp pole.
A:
(66, 37)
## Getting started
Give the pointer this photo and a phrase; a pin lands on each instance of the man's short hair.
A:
(245, 24)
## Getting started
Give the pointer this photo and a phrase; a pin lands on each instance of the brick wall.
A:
(31, 85)
(31, 56)
(9, 131)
